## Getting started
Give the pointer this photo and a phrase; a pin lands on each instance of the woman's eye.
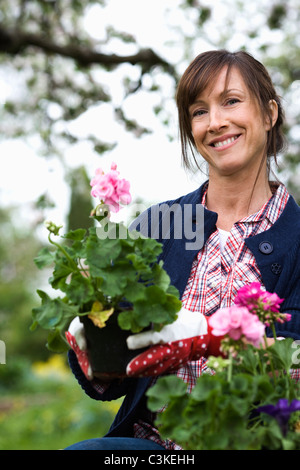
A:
(199, 112)
(233, 101)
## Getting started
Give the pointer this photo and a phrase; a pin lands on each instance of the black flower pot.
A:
(107, 348)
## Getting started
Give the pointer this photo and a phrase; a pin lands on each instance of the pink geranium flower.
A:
(271, 301)
(253, 296)
(249, 295)
(237, 323)
(262, 303)
(110, 188)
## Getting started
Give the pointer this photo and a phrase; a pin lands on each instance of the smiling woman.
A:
(200, 76)
(228, 129)
(230, 115)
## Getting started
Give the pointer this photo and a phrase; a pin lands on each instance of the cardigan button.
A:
(266, 248)
(276, 268)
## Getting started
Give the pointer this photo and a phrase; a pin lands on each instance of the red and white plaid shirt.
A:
(217, 274)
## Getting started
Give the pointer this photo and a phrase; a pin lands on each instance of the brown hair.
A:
(201, 72)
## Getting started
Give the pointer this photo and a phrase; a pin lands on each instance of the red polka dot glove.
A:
(76, 339)
(187, 339)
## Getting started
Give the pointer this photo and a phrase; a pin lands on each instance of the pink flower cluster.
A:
(262, 303)
(253, 296)
(110, 188)
(237, 323)
(253, 310)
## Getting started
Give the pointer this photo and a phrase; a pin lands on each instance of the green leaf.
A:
(172, 304)
(100, 253)
(155, 295)
(150, 249)
(60, 273)
(239, 406)
(135, 291)
(77, 234)
(138, 263)
(52, 312)
(77, 251)
(208, 386)
(33, 326)
(165, 389)
(217, 441)
(44, 258)
(43, 295)
(55, 342)
(241, 385)
(169, 422)
(173, 291)
(127, 320)
(248, 360)
(151, 305)
(282, 352)
(116, 277)
(160, 277)
(80, 290)
(264, 387)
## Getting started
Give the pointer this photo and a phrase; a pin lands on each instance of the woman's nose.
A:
(217, 119)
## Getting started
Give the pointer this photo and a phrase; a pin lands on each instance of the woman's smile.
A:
(224, 142)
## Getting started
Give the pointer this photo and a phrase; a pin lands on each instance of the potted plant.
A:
(249, 399)
(107, 276)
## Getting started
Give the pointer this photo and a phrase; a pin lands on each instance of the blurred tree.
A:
(63, 70)
(57, 59)
(80, 205)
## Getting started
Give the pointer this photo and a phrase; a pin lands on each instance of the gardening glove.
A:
(187, 339)
(76, 339)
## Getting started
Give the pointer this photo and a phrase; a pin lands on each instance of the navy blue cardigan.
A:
(277, 253)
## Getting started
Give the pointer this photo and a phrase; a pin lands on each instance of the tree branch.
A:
(15, 41)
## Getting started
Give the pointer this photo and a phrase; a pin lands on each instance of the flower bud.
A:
(52, 227)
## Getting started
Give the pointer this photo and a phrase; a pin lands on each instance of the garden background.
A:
(84, 83)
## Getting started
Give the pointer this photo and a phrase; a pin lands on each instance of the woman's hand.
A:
(77, 341)
(188, 338)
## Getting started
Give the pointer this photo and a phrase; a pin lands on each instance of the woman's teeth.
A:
(225, 142)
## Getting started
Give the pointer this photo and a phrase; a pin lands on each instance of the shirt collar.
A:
(271, 210)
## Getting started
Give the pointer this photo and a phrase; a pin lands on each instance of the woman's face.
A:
(228, 127)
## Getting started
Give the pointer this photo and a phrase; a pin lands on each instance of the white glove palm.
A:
(188, 325)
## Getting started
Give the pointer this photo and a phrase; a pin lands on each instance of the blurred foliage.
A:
(58, 72)
(61, 70)
(18, 278)
(43, 408)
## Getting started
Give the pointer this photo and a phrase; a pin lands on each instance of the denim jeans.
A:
(116, 443)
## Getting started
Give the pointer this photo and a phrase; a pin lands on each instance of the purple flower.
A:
(281, 412)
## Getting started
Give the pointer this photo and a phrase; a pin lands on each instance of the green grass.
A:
(42, 407)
